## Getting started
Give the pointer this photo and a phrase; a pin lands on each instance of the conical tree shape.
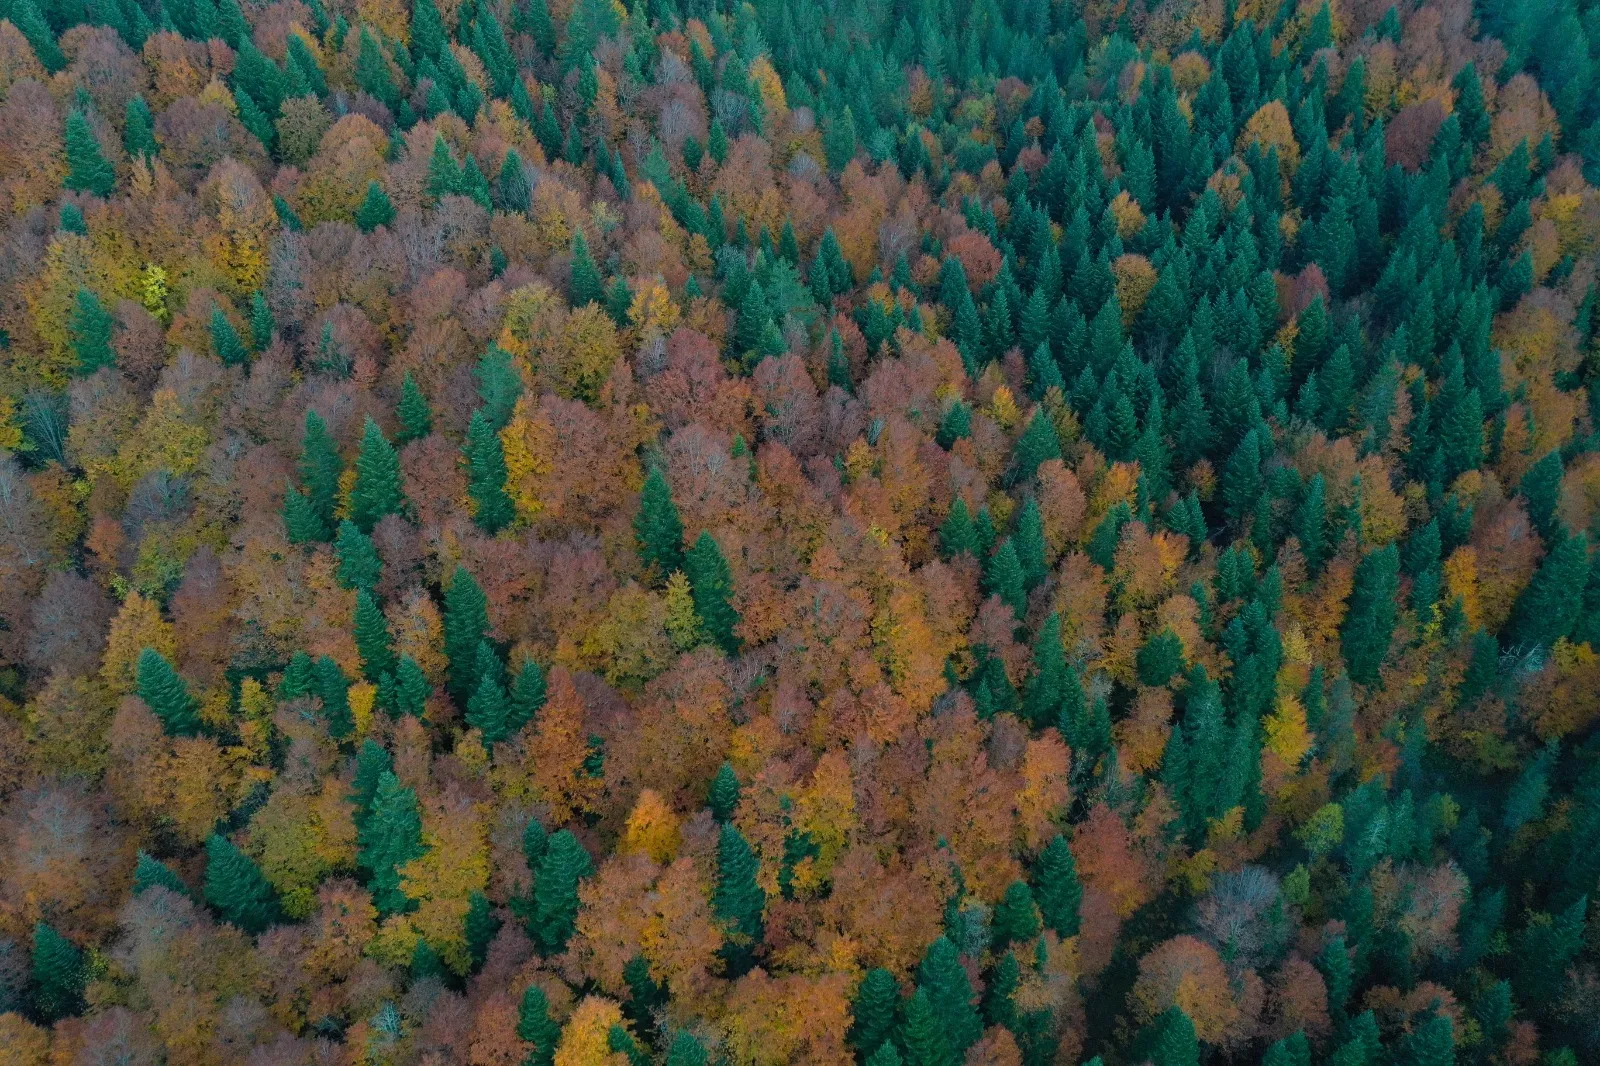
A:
(411, 689)
(377, 489)
(738, 900)
(1038, 443)
(1170, 1040)
(236, 889)
(657, 526)
(712, 583)
(1548, 608)
(1056, 888)
(686, 1051)
(486, 476)
(262, 325)
(1041, 705)
(225, 340)
(376, 210)
(87, 169)
(92, 327)
(444, 176)
(480, 927)
(466, 620)
(512, 186)
(957, 535)
(1002, 577)
(1370, 618)
(1030, 543)
(1433, 1043)
(359, 563)
(923, 1034)
(166, 694)
(150, 873)
(59, 975)
(555, 891)
(585, 286)
(488, 709)
(536, 1027)
(724, 796)
(372, 762)
(416, 417)
(1016, 918)
(320, 468)
(950, 993)
(371, 631)
(528, 693)
(391, 837)
(333, 689)
(301, 522)
(874, 1010)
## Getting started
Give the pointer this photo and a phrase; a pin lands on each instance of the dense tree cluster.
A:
(575, 532)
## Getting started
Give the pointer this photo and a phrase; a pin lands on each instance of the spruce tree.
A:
(1030, 544)
(479, 928)
(444, 176)
(91, 333)
(712, 584)
(1159, 658)
(876, 1004)
(1541, 489)
(527, 696)
(150, 872)
(331, 686)
(1170, 1040)
(923, 1034)
(236, 889)
(372, 762)
(1016, 918)
(225, 340)
(1041, 703)
(499, 386)
(957, 535)
(486, 476)
(166, 694)
(359, 565)
(657, 526)
(377, 489)
(738, 899)
(1370, 618)
(535, 1025)
(1056, 888)
(416, 417)
(391, 837)
(949, 992)
(555, 890)
(685, 1050)
(320, 468)
(1549, 607)
(1037, 444)
(488, 709)
(372, 637)
(1291, 1050)
(87, 169)
(584, 286)
(59, 975)
(26, 17)
(410, 689)
(466, 620)
(1002, 576)
(1433, 1043)
(376, 210)
(262, 325)
(723, 798)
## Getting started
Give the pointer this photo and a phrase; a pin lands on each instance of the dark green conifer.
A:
(738, 899)
(949, 992)
(873, 1011)
(225, 340)
(657, 526)
(1016, 917)
(534, 1023)
(390, 838)
(166, 694)
(486, 476)
(416, 417)
(585, 285)
(555, 892)
(359, 563)
(1056, 888)
(376, 210)
(149, 872)
(1370, 618)
(92, 327)
(711, 582)
(59, 975)
(236, 889)
(527, 696)
(87, 169)
(320, 468)
(372, 637)
(1002, 576)
(377, 489)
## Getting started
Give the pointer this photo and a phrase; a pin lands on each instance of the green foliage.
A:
(657, 526)
(711, 582)
(376, 210)
(91, 333)
(59, 975)
(377, 487)
(555, 893)
(87, 169)
(167, 695)
(390, 837)
(486, 476)
(236, 889)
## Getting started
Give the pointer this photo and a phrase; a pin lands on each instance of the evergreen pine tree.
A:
(958, 535)
(320, 468)
(225, 340)
(1002, 576)
(1170, 1040)
(1041, 705)
(1016, 917)
(876, 1004)
(91, 333)
(166, 694)
(1541, 489)
(359, 565)
(444, 176)
(138, 129)
(1056, 888)
(499, 386)
(738, 899)
(377, 489)
(657, 526)
(372, 762)
(512, 185)
(411, 689)
(1549, 606)
(584, 286)
(262, 325)
(723, 798)
(26, 17)
(416, 417)
(479, 928)
(1370, 618)
(685, 1050)
(486, 476)
(391, 837)
(950, 994)
(59, 975)
(372, 637)
(527, 696)
(376, 210)
(712, 584)
(466, 620)
(331, 686)
(534, 1023)
(555, 891)
(87, 169)
(488, 709)
(149, 872)
(1037, 444)
(236, 889)
(1030, 543)
(1433, 1043)
(923, 1035)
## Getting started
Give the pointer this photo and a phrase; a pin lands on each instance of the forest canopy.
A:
(694, 533)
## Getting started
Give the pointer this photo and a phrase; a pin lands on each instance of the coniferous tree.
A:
(1056, 887)
(527, 696)
(949, 992)
(149, 872)
(377, 487)
(390, 838)
(738, 900)
(91, 333)
(262, 326)
(1041, 704)
(1016, 917)
(376, 210)
(923, 1034)
(236, 888)
(416, 417)
(958, 535)
(1548, 608)
(657, 526)
(1002, 576)
(320, 468)
(372, 637)
(1037, 444)
(87, 169)
(1370, 618)
(489, 708)
(723, 798)
(59, 975)
(535, 1025)
(712, 585)
(585, 286)
(372, 762)
(486, 476)
(225, 340)
(331, 686)
(555, 892)
(1170, 1040)
(466, 620)
(873, 1012)
(166, 694)
(359, 563)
